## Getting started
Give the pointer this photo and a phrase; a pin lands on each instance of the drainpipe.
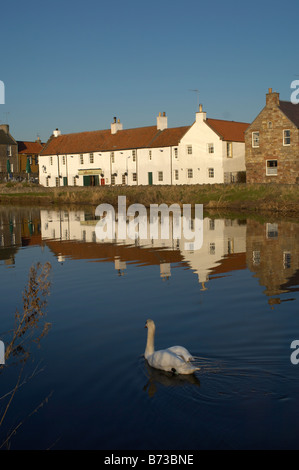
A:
(171, 165)
(58, 169)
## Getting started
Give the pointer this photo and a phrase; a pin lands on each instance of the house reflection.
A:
(273, 255)
(270, 250)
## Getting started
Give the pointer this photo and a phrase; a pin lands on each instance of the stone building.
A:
(29, 150)
(272, 143)
(8, 151)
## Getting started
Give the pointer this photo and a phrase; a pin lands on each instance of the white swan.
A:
(174, 359)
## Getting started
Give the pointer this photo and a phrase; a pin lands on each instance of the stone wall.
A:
(271, 122)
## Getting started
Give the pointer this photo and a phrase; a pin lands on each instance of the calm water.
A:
(233, 304)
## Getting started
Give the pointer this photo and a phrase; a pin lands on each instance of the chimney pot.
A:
(270, 90)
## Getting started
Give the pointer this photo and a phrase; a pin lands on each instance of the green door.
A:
(65, 181)
(86, 180)
(150, 178)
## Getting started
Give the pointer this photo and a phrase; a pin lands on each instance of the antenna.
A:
(197, 92)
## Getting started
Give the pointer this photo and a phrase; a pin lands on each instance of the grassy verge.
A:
(235, 197)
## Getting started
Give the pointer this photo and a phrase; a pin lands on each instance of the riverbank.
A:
(282, 199)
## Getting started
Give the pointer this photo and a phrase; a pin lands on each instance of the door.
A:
(150, 178)
(65, 181)
(86, 180)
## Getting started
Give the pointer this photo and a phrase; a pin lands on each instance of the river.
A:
(78, 379)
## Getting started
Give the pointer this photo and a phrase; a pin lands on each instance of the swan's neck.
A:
(150, 348)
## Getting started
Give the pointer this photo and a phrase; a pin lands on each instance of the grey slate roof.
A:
(6, 139)
(291, 111)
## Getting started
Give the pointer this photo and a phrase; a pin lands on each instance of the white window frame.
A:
(189, 149)
(91, 158)
(176, 175)
(134, 155)
(160, 176)
(81, 159)
(134, 176)
(211, 148)
(286, 144)
(112, 157)
(63, 159)
(189, 173)
(255, 140)
(175, 152)
(150, 154)
(273, 172)
(211, 172)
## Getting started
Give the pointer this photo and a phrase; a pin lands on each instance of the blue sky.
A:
(75, 65)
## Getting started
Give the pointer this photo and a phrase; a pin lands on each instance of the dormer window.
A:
(270, 126)
(287, 137)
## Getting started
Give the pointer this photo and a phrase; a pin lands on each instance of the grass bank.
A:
(283, 199)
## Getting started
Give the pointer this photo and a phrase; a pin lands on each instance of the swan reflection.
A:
(158, 377)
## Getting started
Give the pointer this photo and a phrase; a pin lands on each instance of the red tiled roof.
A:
(29, 147)
(103, 140)
(169, 137)
(229, 130)
(140, 137)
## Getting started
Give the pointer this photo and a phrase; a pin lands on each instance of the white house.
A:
(208, 151)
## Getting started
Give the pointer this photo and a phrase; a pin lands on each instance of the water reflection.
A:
(269, 250)
(166, 379)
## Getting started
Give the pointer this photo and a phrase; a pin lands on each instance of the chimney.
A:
(116, 126)
(162, 122)
(272, 99)
(5, 128)
(200, 115)
(56, 133)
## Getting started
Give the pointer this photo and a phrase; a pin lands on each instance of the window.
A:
(112, 180)
(134, 176)
(255, 139)
(75, 181)
(190, 173)
(63, 159)
(112, 157)
(272, 230)
(57, 181)
(81, 159)
(51, 160)
(176, 153)
(150, 154)
(229, 149)
(189, 149)
(134, 155)
(123, 178)
(91, 159)
(286, 259)
(176, 174)
(270, 126)
(256, 258)
(211, 172)
(210, 148)
(160, 175)
(212, 224)
(287, 137)
(271, 167)
(212, 248)
(9, 150)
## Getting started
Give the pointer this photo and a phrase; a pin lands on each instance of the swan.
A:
(175, 359)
